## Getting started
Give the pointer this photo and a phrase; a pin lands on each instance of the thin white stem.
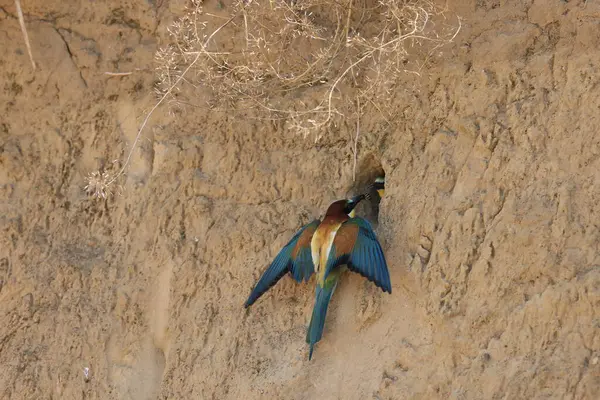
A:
(356, 140)
(118, 73)
(24, 30)
(246, 29)
(457, 30)
(367, 55)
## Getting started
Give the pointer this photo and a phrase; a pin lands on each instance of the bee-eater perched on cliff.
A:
(326, 247)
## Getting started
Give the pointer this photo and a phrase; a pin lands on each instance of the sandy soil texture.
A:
(490, 223)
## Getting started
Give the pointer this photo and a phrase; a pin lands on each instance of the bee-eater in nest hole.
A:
(327, 247)
(379, 186)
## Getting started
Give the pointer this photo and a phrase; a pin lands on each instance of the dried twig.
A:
(355, 153)
(24, 30)
(118, 73)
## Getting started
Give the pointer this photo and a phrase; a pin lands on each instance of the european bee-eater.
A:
(379, 185)
(327, 247)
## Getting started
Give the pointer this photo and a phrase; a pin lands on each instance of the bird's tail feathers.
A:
(317, 321)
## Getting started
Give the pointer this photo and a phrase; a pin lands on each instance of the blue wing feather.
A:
(366, 256)
(300, 267)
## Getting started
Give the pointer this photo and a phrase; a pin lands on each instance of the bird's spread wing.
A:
(295, 257)
(356, 245)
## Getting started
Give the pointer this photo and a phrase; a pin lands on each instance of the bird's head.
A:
(345, 207)
(379, 185)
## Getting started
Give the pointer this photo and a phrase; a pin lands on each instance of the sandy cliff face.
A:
(489, 224)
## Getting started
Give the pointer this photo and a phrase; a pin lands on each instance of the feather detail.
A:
(356, 245)
(323, 295)
(294, 257)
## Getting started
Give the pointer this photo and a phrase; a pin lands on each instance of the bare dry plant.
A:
(293, 59)
(308, 62)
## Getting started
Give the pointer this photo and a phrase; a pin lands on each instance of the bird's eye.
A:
(348, 206)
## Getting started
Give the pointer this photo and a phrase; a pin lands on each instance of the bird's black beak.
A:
(353, 202)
